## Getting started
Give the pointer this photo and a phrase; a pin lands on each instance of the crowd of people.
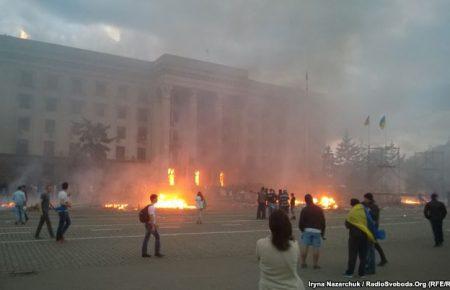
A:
(268, 201)
(20, 202)
(278, 254)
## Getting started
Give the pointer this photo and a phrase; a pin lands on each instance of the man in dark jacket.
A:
(436, 212)
(45, 206)
(261, 211)
(374, 210)
(312, 226)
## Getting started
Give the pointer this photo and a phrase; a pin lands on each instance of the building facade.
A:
(174, 112)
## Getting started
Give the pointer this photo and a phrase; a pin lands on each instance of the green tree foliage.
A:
(93, 142)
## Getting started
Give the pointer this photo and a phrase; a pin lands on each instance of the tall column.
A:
(192, 147)
(165, 128)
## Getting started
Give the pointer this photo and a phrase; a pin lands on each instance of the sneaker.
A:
(362, 277)
(317, 267)
(382, 263)
(304, 266)
(146, 256)
(159, 255)
(349, 276)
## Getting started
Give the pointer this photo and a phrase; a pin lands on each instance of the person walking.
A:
(45, 206)
(261, 200)
(435, 211)
(369, 202)
(312, 227)
(278, 255)
(283, 201)
(151, 228)
(63, 212)
(200, 204)
(359, 235)
(271, 201)
(19, 200)
(292, 203)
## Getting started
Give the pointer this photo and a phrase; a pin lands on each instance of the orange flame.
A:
(7, 205)
(222, 179)
(410, 201)
(171, 176)
(325, 202)
(197, 177)
(166, 200)
(119, 206)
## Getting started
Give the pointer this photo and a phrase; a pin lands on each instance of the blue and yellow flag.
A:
(383, 122)
(357, 217)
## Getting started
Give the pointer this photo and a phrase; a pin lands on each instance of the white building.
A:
(174, 112)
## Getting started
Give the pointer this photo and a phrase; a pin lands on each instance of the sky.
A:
(363, 57)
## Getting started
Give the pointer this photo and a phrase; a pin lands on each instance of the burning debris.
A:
(325, 202)
(172, 201)
(118, 206)
(7, 205)
(411, 201)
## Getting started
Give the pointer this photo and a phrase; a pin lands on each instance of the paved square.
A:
(103, 251)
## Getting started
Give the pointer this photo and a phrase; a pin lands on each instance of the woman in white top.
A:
(278, 256)
(200, 205)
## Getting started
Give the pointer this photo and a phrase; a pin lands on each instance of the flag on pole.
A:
(367, 122)
(383, 122)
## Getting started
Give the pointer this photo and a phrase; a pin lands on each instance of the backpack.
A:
(143, 215)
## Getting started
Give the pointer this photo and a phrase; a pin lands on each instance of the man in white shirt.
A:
(19, 199)
(151, 228)
(63, 212)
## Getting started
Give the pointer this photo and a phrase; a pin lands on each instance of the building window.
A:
(77, 86)
(121, 133)
(142, 134)
(122, 92)
(100, 88)
(50, 126)
(121, 112)
(76, 107)
(22, 147)
(26, 79)
(100, 109)
(142, 115)
(50, 104)
(120, 153)
(143, 97)
(49, 148)
(24, 101)
(141, 154)
(24, 124)
(52, 82)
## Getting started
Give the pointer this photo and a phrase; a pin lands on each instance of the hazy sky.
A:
(364, 57)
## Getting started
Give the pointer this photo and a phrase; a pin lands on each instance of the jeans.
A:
(20, 214)
(64, 223)
(44, 219)
(436, 226)
(261, 212)
(370, 259)
(151, 230)
(357, 247)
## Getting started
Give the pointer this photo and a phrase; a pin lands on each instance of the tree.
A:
(93, 142)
